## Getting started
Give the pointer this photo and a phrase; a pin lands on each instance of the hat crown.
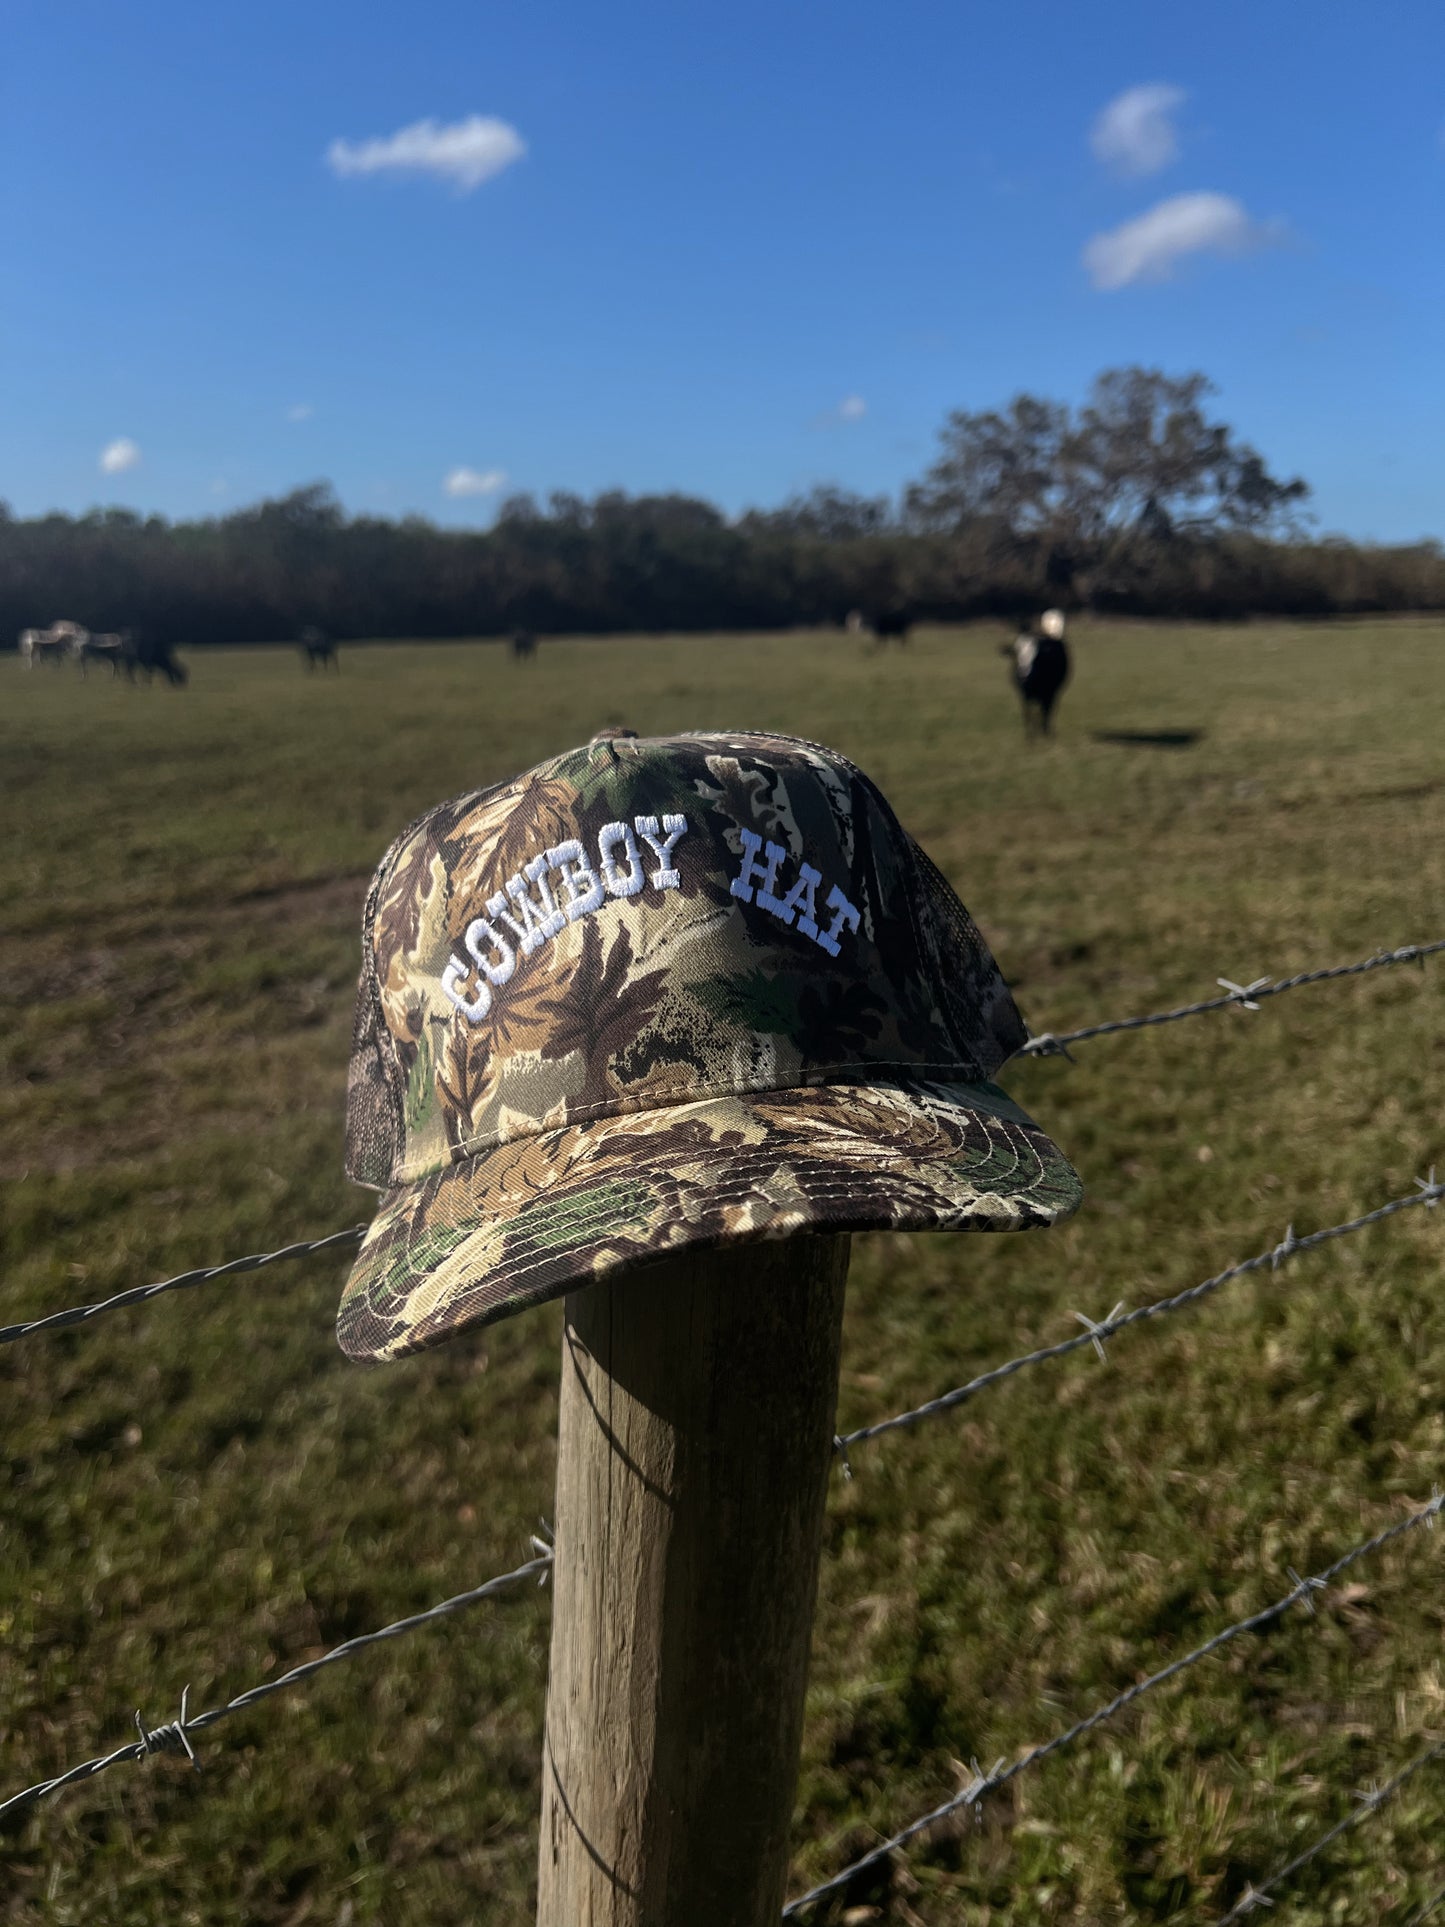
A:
(647, 922)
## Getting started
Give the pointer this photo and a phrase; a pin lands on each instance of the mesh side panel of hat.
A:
(962, 962)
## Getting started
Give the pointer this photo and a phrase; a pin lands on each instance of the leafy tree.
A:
(1089, 493)
(827, 513)
(1136, 501)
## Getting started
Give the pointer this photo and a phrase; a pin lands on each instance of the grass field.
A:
(204, 1491)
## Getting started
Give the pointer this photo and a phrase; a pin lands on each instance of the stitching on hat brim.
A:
(960, 1205)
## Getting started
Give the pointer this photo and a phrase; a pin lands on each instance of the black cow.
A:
(524, 644)
(319, 650)
(1040, 668)
(144, 652)
(885, 625)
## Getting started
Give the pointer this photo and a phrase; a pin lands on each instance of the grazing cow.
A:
(145, 653)
(1040, 668)
(103, 648)
(319, 650)
(55, 644)
(524, 644)
(888, 625)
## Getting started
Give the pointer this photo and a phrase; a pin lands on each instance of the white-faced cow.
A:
(1040, 668)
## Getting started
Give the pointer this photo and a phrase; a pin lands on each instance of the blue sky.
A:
(731, 250)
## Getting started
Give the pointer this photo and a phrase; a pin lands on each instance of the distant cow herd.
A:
(126, 654)
(1038, 655)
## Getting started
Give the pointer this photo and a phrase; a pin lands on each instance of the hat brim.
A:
(541, 1216)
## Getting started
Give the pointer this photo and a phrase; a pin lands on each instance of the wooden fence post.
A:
(694, 1448)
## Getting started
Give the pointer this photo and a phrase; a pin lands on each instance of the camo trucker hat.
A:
(661, 993)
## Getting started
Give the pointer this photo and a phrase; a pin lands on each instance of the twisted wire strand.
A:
(1303, 1590)
(1427, 1192)
(138, 1294)
(1370, 1803)
(1241, 996)
(171, 1737)
(1422, 1913)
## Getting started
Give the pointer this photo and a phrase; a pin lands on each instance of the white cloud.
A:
(220, 486)
(471, 481)
(466, 153)
(301, 411)
(1149, 247)
(852, 408)
(1134, 135)
(117, 456)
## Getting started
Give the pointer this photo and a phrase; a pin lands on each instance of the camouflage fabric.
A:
(659, 993)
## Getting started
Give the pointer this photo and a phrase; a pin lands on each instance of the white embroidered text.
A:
(757, 882)
(551, 891)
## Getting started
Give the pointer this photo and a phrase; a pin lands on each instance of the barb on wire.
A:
(1369, 1801)
(138, 1294)
(981, 1784)
(1427, 1194)
(1099, 1331)
(1241, 996)
(171, 1737)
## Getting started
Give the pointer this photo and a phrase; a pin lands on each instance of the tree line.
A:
(1135, 502)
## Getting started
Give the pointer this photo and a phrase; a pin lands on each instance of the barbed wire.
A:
(1302, 1592)
(138, 1294)
(1047, 1044)
(173, 1735)
(1370, 1802)
(1241, 996)
(1422, 1913)
(1427, 1192)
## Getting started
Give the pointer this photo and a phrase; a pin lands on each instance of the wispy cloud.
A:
(300, 411)
(471, 481)
(1150, 247)
(1135, 135)
(117, 456)
(466, 153)
(852, 408)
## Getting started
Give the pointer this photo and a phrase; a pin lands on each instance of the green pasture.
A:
(203, 1491)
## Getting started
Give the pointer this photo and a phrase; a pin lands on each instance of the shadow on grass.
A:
(1151, 738)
